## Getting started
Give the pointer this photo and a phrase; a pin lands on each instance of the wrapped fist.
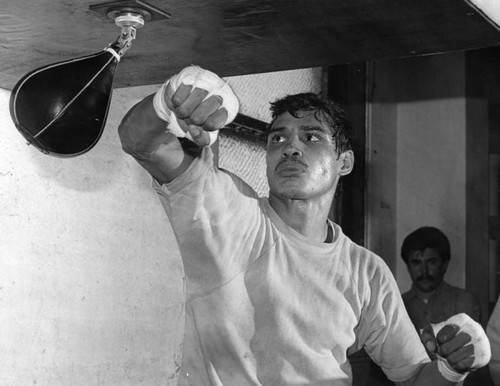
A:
(196, 103)
(460, 345)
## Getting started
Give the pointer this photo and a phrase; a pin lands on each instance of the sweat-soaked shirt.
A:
(266, 305)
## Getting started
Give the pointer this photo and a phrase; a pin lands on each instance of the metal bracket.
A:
(128, 20)
(128, 15)
(122, 44)
(107, 10)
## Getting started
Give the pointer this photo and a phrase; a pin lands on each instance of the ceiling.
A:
(239, 36)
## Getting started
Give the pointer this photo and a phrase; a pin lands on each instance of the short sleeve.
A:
(202, 205)
(389, 336)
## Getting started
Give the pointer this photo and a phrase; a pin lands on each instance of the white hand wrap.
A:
(198, 78)
(449, 372)
(482, 350)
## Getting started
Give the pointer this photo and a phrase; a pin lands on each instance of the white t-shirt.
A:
(266, 305)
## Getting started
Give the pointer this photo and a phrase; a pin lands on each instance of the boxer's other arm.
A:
(427, 375)
(460, 345)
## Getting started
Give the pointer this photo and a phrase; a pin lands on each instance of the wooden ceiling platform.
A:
(238, 37)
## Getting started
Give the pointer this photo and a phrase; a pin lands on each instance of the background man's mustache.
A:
(422, 278)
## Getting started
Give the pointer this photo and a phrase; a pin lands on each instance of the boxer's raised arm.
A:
(193, 104)
(144, 137)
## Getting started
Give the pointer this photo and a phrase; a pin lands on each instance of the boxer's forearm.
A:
(143, 135)
(141, 131)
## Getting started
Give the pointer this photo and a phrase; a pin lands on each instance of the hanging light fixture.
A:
(61, 108)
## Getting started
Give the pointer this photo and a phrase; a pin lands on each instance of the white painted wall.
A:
(417, 157)
(90, 272)
(90, 277)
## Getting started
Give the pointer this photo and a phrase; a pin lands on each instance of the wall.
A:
(87, 295)
(416, 157)
(90, 273)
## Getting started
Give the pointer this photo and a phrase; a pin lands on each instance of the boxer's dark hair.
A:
(324, 110)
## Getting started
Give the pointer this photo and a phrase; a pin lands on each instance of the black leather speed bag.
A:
(61, 108)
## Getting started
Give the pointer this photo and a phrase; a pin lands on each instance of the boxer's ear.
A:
(347, 159)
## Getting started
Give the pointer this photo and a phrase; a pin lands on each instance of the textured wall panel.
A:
(256, 91)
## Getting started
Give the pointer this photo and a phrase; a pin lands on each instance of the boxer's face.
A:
(427, 269)
(302, 160)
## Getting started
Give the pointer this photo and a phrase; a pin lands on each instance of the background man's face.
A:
(426, 269)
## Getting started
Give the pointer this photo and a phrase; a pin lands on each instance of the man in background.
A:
(426, 252)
